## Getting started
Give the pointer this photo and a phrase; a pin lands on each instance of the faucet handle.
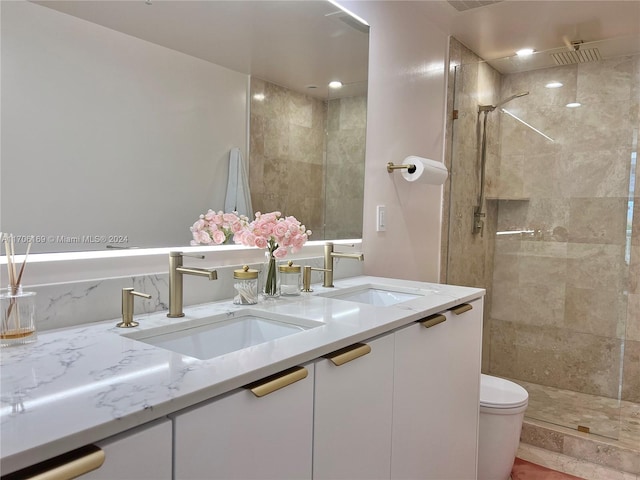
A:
(127, 307)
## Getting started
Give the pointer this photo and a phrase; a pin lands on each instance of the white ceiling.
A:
(291, 43)
(301, 43)
(497, 30)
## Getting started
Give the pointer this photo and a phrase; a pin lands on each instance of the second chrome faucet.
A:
(176, 272)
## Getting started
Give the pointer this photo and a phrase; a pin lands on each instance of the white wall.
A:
(405, 116)
(93, 120)
(406, 108)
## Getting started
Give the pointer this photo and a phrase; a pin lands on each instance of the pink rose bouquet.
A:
(215, 228)
(279, 235)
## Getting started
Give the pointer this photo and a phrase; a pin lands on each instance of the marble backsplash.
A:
(69, 304)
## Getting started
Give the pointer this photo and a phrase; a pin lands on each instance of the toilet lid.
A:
(500, 393)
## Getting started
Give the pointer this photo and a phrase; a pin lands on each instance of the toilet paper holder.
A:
(422, 170)
(410, 167)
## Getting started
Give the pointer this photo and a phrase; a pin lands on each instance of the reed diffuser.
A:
(18, 307)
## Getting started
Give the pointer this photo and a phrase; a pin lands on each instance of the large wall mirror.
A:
(119, 118)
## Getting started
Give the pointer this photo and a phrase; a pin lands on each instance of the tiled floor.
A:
(571, 465)
(606, 417)
(523, 470)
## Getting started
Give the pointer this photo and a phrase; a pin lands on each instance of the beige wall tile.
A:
(631, 372)
(596, 266)
(598, 220)
(598, 173)
(606, 81)
(633, 317)
(600, 312)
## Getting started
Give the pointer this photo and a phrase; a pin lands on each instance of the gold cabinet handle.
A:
(463, 307)
(276, 382)
(344, 355)
(433, 320)
(64, 467)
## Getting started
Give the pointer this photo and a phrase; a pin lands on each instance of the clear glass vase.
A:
(270, 276)
(18, 317)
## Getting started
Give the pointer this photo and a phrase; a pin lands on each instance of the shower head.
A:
(491, 108)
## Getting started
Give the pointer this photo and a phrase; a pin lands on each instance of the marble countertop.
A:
(76, 386)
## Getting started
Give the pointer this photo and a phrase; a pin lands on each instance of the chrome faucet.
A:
(329, 255)
(176, 271)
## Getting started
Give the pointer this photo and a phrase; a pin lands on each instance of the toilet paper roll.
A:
(427, 171)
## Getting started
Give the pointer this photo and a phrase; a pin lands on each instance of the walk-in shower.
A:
(560, 250)
(478, 211)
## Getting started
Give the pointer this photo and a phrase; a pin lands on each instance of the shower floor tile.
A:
(611, 418)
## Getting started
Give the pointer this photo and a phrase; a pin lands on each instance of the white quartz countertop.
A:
(76, 386)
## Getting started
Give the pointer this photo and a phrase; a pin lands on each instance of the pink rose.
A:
(249, 239)
(219, 237)
(199, 225)
(261, 242)
(280, 229)
(280, 252)
(202, 237)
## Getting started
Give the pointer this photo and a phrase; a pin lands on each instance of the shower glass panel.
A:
(559, 247)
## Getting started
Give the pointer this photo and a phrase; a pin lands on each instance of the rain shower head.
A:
(491, 108)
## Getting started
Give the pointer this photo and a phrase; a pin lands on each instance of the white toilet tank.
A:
(502, 406)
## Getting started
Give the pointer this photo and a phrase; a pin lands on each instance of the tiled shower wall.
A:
(286, 156)
(290, 136)
(346, 128)
(565, 301)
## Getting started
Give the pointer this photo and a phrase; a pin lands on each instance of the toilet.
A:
(502, 406)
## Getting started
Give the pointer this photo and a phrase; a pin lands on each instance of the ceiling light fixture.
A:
(553, 84)
(259, 97)
(523, 52)
(573, 105)
(335, 84)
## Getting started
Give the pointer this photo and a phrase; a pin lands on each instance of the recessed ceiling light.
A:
(335, 84)
(523, 52)
(573, 105)
(259, 96)
(553, 84)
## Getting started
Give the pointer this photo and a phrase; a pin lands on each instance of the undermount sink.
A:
(218, 335)
(377, 295)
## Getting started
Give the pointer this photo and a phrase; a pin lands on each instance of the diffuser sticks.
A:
(18, 307)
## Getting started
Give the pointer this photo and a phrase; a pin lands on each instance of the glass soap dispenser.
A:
(290, 279)
(245, 283)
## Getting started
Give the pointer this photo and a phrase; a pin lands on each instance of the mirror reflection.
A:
(118, 118)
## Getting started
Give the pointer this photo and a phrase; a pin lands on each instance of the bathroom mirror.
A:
(118, 117)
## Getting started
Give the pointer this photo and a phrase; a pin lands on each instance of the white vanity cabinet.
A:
(141, 454)
(436, 396)
(262, 432)
(352, 416)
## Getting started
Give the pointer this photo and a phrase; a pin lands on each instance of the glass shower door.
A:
(560, 237)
